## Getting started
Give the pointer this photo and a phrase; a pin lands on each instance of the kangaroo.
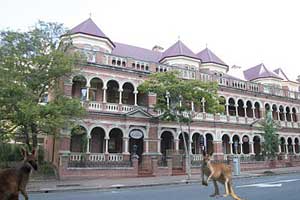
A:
(218, 172)
(13, 180)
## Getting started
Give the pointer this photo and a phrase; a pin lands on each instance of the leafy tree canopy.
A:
(32, 64)
(185, 91)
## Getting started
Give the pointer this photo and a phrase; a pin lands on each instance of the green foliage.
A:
(189, 90)
(271, 140)
(9, 153)
(32, 64)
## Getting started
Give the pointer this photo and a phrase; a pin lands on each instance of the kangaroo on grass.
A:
(218, 172)
(13, 180)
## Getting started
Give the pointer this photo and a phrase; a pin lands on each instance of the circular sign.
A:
(136, 134)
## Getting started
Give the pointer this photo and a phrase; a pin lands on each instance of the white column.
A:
(104, 94)
(135, 97)
(236, 110)
(279, 148)
(88, 144)
(230, 148)
(284, 116)
(120, 96)
(176, 144)
(241, 147)
(192, 106)
(286, 149)
(278, 118)
(106, 145)
(293, 146)
(87, 93)
(158, 146)
(227, 109)
(126, 148)
(253, 111)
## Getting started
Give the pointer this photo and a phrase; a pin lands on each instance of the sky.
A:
(241, 32)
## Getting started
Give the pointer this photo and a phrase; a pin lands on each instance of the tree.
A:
(33, 64)
(271, 141)
(175, 97)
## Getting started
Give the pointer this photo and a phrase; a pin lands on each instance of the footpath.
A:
(45, 186)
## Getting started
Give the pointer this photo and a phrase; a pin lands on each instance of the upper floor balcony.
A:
(100, 58)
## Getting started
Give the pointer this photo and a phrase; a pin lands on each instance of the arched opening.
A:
(297, 145)
(257, 110)
(236, 146)
(142, 99)
(282, 145)
(290, 145)
(249, 109)
(196, 149)
(166, 143)
(256, 144)
(115, 144)
(294, 115)
(226, 144)
(209, 143)
(136, 143)
(245, 145)
(79, 89)
(78, 139)
(127, 94)
(181, 142)
(112, 92)
(274, 112)
(281, 113)
(231, 107)
(97, 140)
(241, 110)
(267, 107)
(288, 114)
(96, 91)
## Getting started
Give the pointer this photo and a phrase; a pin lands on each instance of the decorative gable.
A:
(139, 113)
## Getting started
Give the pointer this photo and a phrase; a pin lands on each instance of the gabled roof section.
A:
(89, 27)
(281, 74)
(139, 53)
(139, 113)
(259, 71)
(178, 49)
(207, 56)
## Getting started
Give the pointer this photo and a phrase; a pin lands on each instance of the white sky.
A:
(240, 32)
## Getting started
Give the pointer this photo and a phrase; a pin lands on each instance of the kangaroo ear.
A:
(24, 152)
(33, 152)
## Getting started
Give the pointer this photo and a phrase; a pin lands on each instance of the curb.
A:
(114, 187)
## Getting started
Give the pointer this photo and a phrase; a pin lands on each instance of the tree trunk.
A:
(34, 136)
(26, 134)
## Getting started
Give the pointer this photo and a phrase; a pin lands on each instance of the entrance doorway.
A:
(136, 143)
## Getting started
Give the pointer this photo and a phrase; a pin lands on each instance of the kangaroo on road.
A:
(218, 172)
(13, 180)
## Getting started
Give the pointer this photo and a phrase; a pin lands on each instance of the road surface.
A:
(280, 187)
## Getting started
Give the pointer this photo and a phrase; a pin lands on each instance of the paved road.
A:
(283, 187)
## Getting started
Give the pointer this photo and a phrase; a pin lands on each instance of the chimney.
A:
(157, 48)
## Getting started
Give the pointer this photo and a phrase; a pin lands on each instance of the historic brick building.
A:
(120, 116)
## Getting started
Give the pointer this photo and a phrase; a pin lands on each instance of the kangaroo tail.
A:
(231, 192)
